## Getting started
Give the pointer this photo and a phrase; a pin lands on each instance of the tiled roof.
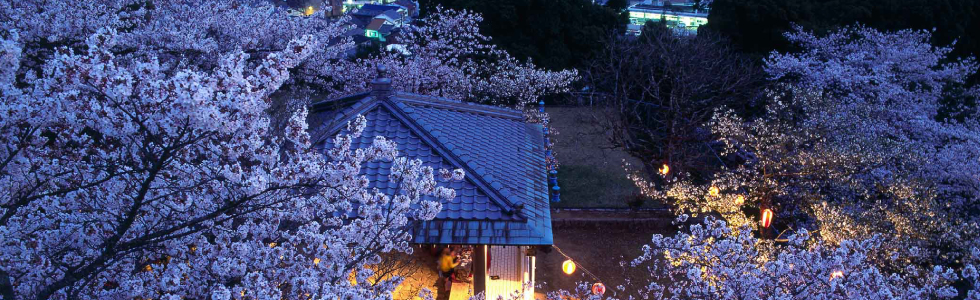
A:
(375, 24)
(504, 198)
(374, 9)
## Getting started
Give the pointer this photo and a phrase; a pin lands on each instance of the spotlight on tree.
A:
(713, 191)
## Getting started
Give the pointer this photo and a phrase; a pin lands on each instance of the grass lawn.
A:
(590, 171)
(588, 186)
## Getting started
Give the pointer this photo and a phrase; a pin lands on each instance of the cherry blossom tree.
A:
(451, 58)
(131, 175)
(166, 29)
(851, 147)
(713, 262)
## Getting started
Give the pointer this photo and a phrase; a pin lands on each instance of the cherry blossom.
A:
(451, 58)
(852, 148)
(126, 176)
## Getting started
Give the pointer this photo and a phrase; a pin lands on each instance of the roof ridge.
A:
(335, 124)
(442, 102)
(319, 105)
(484, 179)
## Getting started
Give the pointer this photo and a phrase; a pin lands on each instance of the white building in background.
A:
(682, 15)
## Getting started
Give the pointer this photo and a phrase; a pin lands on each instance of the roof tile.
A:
(503, 154)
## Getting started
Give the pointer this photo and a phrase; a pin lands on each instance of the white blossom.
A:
(127, 172)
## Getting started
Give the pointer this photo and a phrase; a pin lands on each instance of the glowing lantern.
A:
(598, 289)
(713, 191)
(316, 261)
(308, 11)
(665, 169)
(568, 267)
(836, 274)
(739, 200)
(766, 218)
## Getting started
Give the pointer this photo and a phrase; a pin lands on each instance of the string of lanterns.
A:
(568, 267)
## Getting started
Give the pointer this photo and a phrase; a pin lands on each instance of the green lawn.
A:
(588, 186)
(590, 172)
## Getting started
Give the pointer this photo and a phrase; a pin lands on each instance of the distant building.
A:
(305, 8)
(410, 7)
(682, 15)
(371, 21)
(380, 21)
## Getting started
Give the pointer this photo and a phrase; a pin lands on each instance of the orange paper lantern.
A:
(598, 289)
(568, 267)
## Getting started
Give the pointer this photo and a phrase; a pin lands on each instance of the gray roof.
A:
(504, 198)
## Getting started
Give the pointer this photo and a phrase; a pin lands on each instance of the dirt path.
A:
(599, 250)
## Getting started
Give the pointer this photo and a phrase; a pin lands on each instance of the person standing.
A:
(447, 265)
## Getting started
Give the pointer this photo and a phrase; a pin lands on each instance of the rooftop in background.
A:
(374, 9)
(504, 198)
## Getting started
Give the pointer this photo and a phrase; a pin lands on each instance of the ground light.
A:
(836, 274)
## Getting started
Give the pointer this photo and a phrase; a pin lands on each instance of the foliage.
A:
(713, 262)
(617, 5)
(662, 88)
(556, 34)
(756, 26)
(451, 58)
(850, 147)
(138, 160)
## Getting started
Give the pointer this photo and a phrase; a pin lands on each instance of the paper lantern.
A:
(665, 169)
(308, 11)
(713, 191)
(739, 200)
(766, 218)
(598, 289)
(568, 267)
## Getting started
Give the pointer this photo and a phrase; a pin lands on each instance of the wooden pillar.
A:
(479, 269)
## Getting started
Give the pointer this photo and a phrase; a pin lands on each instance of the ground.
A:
(591, 172)
(598, 251)
(419, 271)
